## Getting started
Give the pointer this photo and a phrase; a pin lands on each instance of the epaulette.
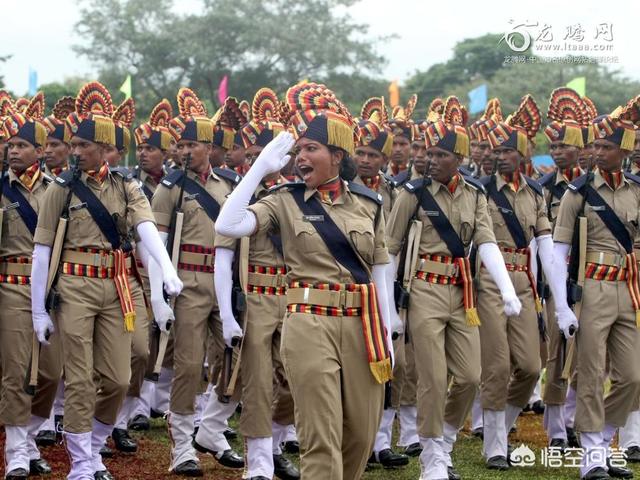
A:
(578, 183)
(286, 184)
(46, 179)
(416, 184)
(401, 178)
(64, 178)
(172, 178)
(474, 183)
(535, 186)
(365, 192)
(122, 172)
(632, 177)
(228, 174)
(484, 181)
(547, 179)
(389, 179)
(465, 171)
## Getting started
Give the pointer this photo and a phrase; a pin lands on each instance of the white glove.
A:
(162, 314)
(273, 157)
(494, 263)
(155, 243)
(42, 324)
(545, 252)
(235, 220)
(567, 322)
(379, 274)
(223, 282)
(397, 327)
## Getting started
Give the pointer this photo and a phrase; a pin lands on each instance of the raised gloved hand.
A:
(42, 326)
(230, 329)
(274, 156)
(567, 322)
(162, 313)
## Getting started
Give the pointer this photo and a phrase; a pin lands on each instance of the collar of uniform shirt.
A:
(56, 171)
(330, 190)
(156, 176)
(613, 179)
(100, 174)
(512, 180)
(372, 182)
(397, 168)
(570, 174)
(453, 183)
(29, 177)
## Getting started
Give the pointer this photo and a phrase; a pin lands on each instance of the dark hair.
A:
(348, 169)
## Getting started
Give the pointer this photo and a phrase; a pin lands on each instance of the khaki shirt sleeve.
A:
(380, 253)
(567, 214)
(484, 229)
(162, 205)
(224, 242)
(266, 210)
(49, 214)
(138, 207)
(403, 209)
(542, 220)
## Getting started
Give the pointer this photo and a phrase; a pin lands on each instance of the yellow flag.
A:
(579, 84)
(126, 87)
(394, 94)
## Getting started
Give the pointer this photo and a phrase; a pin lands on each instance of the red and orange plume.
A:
(161, 114)
(189, 105)
(125, 113)
(527, 116)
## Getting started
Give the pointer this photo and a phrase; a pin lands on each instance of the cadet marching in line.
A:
(330, 274)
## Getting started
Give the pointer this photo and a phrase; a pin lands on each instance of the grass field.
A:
(152, 459)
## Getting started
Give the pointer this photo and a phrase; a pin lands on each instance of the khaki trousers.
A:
(444, 345)
(97, 349)
(260, 364)
(510, 346)
(338, 403)
(607, 326)
(404, 383)
(195, 307)
(555, 389)
(16, 333)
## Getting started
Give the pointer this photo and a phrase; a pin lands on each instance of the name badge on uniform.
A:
(432, 213)
(191, 196)
(313, 218)
(505, 210)
(78, 206)
(11, 206)
(598, 208)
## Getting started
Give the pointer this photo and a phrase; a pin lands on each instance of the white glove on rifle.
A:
(379, 279)
(235, 220)
(223, 281)
(567, 321)
(494, 263)
(391, 270)
(155, 244)
(42, 324)
(162, 313)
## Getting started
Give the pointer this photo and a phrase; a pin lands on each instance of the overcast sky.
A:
(39, 33)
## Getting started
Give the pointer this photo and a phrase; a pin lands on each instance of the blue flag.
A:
(33, 82)
(478, 99)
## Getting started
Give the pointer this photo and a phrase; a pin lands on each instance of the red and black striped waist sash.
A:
(197, 258)
(15, 270)
(267, 280)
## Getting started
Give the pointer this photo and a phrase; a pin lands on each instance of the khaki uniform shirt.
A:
(466, 210)
(553, 203)
(388, 192)
(17, 240)
(306, 255)
(198, 228)
(121, 197)
(529, 208)
(625, 202)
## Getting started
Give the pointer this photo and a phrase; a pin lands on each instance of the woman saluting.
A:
(336, 331)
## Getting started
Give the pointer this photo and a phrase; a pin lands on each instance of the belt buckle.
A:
(342, 298)
(514, 259)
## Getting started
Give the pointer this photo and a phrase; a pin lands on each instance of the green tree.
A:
(255, 43)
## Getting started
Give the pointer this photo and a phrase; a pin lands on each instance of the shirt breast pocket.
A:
(307, 238)
(361, 234)
(467, 226)
(12, 222)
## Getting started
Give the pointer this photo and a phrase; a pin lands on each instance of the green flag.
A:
(579, 84)
(126, 87)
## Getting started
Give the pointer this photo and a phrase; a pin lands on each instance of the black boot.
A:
(17, 474)
(389, 459)
(413, 450)
(292, 446)
(618, 472)
(123, 442)
(498, 463)
(452, 474)
(103, 475)
(190, 468)
(45, 438)
(139, 423)
(39, 466)
(228, 458)
(284, 469)
(597, 473)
